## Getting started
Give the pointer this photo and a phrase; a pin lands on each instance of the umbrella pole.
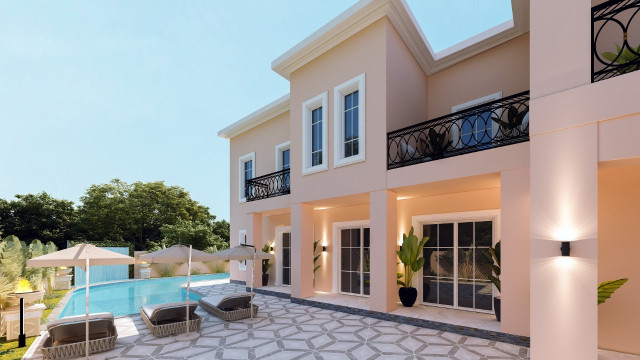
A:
(86, 284)
(188, 336)
(253, 271)
(188, 285)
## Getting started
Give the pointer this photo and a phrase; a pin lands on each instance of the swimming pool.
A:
(124, 298)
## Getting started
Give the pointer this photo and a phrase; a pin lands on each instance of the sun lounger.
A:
(170, 319)
(229, 307)
(66, 337)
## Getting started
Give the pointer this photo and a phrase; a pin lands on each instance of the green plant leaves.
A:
(410, 256)
(607, 288)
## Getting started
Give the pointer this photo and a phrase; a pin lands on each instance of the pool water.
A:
(124, 298)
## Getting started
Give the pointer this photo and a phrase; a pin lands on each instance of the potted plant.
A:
(607, 288)
(266, 264)
(493, 263)
(410, 256)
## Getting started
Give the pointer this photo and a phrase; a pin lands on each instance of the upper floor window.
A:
(285, 159)
(283, 156)
(246, 167)
(314, 134)
(349, 131)
(477, 128)
(316, 137)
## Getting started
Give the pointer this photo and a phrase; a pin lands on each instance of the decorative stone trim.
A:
(239, 282)
(270, 293)
(429, 324)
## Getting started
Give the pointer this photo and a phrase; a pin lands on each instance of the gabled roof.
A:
(366, 12)
(256, 118)
(363, 14)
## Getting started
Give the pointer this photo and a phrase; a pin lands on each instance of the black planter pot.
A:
(265, 279)
(408, 296)
(496, 307)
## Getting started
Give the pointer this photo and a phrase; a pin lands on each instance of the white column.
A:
(301, 250)
(564, 194)
(384, 221)
(514, 232)
(254, 237)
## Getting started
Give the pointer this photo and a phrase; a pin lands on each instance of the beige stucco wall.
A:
(618, 249)
(269, 225)
(406, 85)
(365, 52)
(503, 68)
(262, 140)
(323, 230)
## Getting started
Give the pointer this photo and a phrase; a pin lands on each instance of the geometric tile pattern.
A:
(286, 330)
(425, 323)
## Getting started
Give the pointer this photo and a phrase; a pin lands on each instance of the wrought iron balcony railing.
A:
(615, 36)
(497, 123)
(267, 186)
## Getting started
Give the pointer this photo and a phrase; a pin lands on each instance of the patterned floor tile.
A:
(285, 330)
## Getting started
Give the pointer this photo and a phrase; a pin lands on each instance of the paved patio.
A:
(284, 330)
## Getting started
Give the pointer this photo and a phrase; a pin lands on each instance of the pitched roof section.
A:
(366, 12)
(256, 118)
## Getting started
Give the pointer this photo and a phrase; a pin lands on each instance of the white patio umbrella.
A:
(177, 254)
(85, 256)
(244, 252)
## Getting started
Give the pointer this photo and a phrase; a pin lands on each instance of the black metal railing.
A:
(267, 186)
(497, 123)
(615, 36)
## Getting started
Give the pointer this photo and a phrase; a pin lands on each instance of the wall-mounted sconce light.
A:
(324, 248)
(271, 248)
(565, 248)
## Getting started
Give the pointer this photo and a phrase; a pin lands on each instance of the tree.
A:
(199, 235)
(135, 212)
(38, 216)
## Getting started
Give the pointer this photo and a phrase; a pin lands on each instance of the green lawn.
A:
(9, 349)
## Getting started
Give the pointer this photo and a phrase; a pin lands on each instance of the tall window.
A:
(248, 175)
(316, 137)
(351, 124)
(349, 114)
(285, 159)
(286, 258)
(476, 129)
(355, 264)
(314, 134)
(455, 272)
(246, 171)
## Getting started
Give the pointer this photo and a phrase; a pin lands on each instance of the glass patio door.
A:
(286, 258)
(355, 265)
(455, 272)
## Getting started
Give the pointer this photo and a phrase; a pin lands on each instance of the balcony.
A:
(268, 186)
(487, 126)
(615, 38)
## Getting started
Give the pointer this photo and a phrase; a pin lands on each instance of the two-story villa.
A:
(524, 134)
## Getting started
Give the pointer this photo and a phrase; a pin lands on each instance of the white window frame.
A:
(242, 239)
(308, 106)
(241, 180)
(279, 149)
(470, 216)
(279, 231)
(469, 104)
(339, 92)
(336, 247)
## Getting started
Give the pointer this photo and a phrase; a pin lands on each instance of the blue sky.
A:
(137, 90)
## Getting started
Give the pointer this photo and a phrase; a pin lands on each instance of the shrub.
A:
(196, 271)
(216, 267)
(165, 270)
